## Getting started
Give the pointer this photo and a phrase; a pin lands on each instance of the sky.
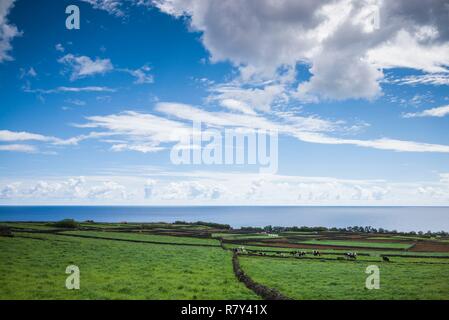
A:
(357, 93)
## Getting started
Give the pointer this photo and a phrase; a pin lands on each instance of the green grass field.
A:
(145, 237)
(35, 269)
(243, 236)
(375, 253)
(28, 225)
(361, 244)
(310, 279)
(139, 264)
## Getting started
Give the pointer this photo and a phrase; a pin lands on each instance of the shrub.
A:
(66, 223)
(5, 232)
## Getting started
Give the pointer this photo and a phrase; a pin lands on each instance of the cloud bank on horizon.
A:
(356, 89)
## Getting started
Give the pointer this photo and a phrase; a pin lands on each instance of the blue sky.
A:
(89, 116)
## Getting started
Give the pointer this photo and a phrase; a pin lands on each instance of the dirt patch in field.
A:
(427, 246)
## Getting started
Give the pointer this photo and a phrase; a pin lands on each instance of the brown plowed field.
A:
(424, 246)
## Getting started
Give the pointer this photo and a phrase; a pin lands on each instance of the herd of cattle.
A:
(348, 255)
(316, 253)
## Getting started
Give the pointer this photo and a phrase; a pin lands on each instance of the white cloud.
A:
(27, 73)
(381, 144)
(111, 6)
(151, 133)
(150, 184)
(9, 191)
(204, 187)
(108, 190)
(236, 105)
(70, 189)
(435, 112)
(334, 37)
(59, 47)
(144, 148)
(47, 141)
(190, 190)
(261, 36)
(7, 31)
(142, 75)
(70, 90)
(83, 66)
(8, 136)
(76, 102)
(428, 79)
(221, 119)
(137, 131)
(18, 148)
(405, 51)
(246, 99)
(444, 177)
(82, 89)
(334, 77)
(11, 136)
(304, 129)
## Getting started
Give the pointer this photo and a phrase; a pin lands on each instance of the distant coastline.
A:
(391, 217)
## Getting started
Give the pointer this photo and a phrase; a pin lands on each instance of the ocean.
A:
(398, 218)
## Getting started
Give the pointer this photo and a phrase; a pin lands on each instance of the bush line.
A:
(265, 292)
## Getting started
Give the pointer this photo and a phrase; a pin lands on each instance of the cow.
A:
(242, 250)
(316, 253)
(385, 258)
(300, 253)
(351, 255)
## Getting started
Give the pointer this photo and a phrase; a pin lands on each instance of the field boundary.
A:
(263, 291)
(137, 241)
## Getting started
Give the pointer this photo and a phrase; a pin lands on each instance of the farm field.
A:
(155, 261)
(28, 225)
(308, 279)
(242, 236)
(336, 252)
(347, 243)
(35, 269)
(146, 237)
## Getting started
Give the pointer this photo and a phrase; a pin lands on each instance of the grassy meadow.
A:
(194, 261)
(146, 237)
(315, 279)
(34, 268)
(360, 244)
